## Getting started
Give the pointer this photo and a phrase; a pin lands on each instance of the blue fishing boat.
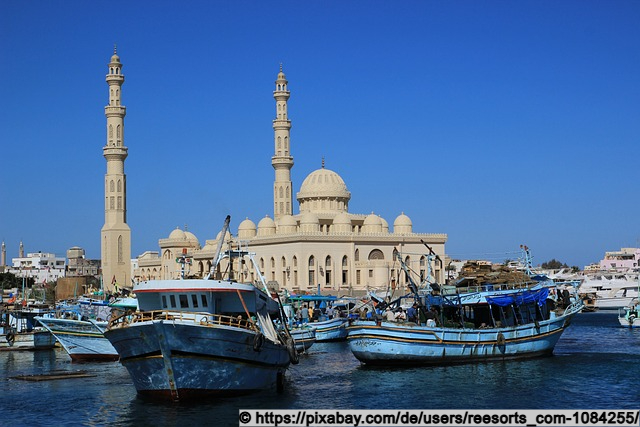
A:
(304, 336)
(196, 338)
(505, 322)
(83, 340)
(331, 329)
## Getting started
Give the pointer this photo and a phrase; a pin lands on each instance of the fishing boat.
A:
(628, 316)
(79, 327)
(329, 321)
(197, 338)
(19, 329)
(303, 336)
(83, 340)
(509, 321)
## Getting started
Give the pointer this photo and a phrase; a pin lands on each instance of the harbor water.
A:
(596, 365)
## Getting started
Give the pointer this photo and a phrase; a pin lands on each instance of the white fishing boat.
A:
(497, 324)
(196, 338)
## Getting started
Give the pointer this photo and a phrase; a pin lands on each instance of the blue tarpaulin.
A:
(539, 296)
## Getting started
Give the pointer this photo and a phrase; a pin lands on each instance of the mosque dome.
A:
(266, 227)
(247, 229)
(190, 236)
(372, 224)
(323, 190)
(227, 236)
(402, 224)
(177, 234)
(287, 224)
(385, 225)
(341, 223)
(309, 222)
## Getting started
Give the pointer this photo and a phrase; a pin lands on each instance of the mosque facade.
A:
(323, 247)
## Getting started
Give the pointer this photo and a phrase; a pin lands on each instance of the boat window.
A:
(194, 300)
(184, 301)
(203, 298)
(164, 301)
(172, 298)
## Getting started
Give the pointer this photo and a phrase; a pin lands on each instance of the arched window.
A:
(284, 262)
(119, 186)
(111, 186)
(376, 254)
(357, 255)
(120, 249)
(295, 261)
(273, 262)
(312, 261)
(110, 131)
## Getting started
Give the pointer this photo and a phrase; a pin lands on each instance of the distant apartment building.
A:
(625, 258)
(40, 266)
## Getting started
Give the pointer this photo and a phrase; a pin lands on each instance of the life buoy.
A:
(11, 338)
(258, 340)
(500, 339)
(293, 353)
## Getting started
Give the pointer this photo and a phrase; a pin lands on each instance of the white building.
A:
(42, 267)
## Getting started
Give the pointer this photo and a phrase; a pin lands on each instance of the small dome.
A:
(341, 218)
(227, 236)
(266, 227)
(309, 218)
(402, 224)
(309, 223)
(341, 223)
(190, 236)
(177, 234)
(266, 222)
(385, 225)
(246, 225)
(287, 225)
(247, 229)
(287, 220)
(372, 219)
(372, 224)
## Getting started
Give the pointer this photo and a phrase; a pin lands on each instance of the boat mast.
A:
(216, 257)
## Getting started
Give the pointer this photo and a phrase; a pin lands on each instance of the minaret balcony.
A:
(116, 110)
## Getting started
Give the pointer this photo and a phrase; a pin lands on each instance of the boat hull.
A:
(33, 340)
(331, 330)
(173, 360)
(407, 344)
(83, 341)
(303, 338)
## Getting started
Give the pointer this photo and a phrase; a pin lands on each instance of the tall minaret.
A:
(21, 250)
(3, 256)
(116, 234)
(282, 161)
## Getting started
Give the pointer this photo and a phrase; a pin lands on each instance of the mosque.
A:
(323, 247)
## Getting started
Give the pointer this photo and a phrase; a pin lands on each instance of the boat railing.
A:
(201, 318)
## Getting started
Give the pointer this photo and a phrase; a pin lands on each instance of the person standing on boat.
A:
(304, 314)
(412, 314)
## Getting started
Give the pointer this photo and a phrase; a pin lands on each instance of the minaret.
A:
(282, 161)
(21, 250)
(116, 234)
(3, 256)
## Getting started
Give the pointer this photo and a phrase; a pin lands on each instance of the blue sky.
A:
(499, 123)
